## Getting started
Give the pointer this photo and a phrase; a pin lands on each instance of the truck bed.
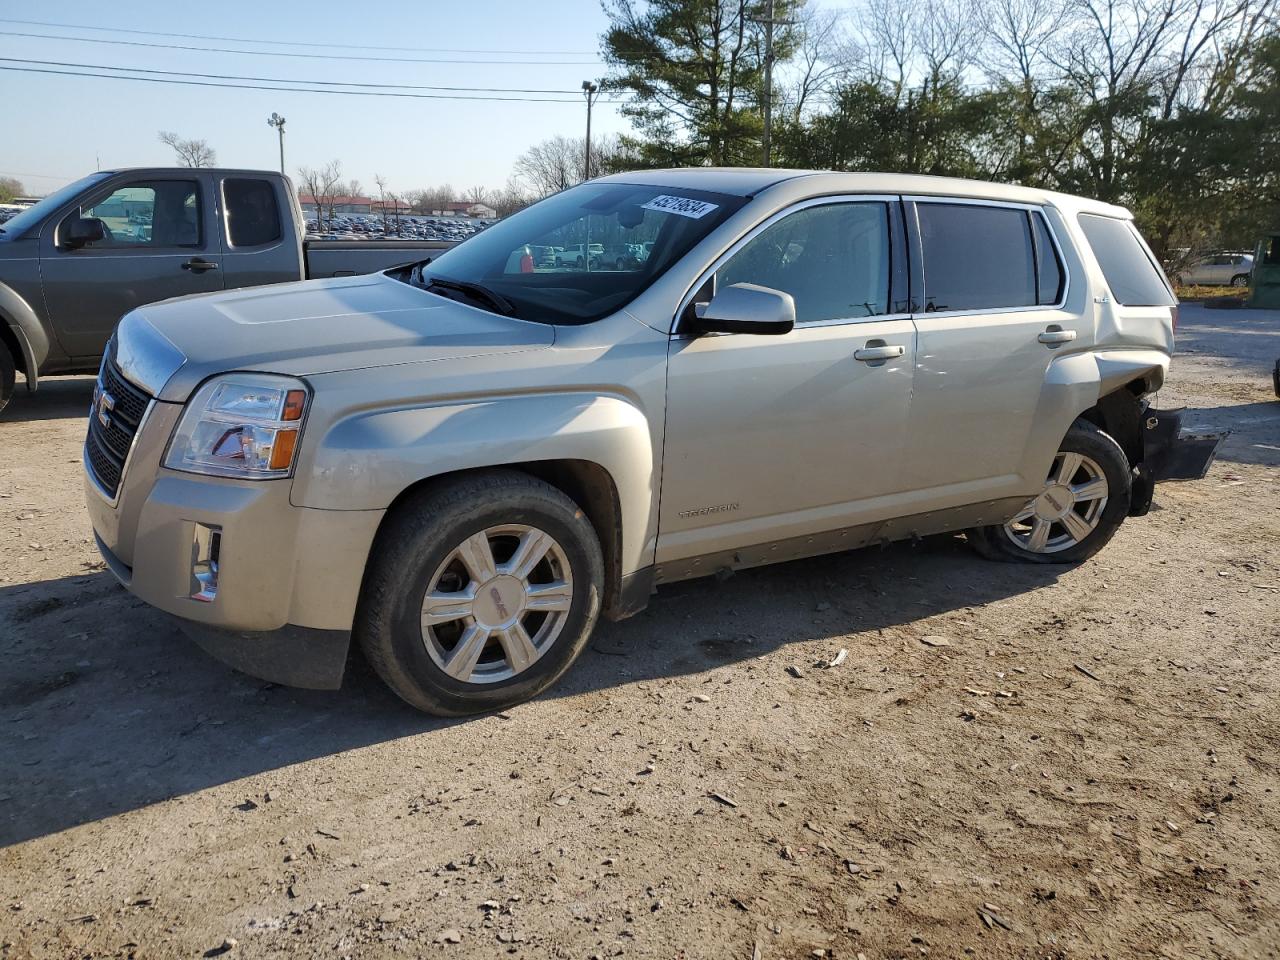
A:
(346, 258)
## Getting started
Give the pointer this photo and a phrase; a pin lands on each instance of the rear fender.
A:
(26, 328)
(1073, 384)
(367, 459)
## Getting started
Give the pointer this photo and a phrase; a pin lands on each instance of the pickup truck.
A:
(76, 262)
(461, 465)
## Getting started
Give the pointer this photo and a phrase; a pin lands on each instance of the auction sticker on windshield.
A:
(681, 206)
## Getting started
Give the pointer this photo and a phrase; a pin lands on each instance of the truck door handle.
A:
(199, 265)
(878, 351)
(1056, 335)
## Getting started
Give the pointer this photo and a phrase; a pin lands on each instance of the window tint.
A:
(1049, 274)
(1130, 273)
(976, 257)
(833, 260)
(1271, 251)
(161, 213)
(253, 217)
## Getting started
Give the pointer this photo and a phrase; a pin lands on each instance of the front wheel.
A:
(480, 593)
(1084, 500)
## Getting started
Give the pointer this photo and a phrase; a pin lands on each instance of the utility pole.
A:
(769, 23)
(589, 90)
(277, 121)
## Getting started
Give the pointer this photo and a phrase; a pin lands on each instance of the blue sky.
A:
(56, 128)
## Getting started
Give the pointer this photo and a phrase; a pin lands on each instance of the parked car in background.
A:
(458, 463)
(1219, 270)
(580, 255)
(76, 262)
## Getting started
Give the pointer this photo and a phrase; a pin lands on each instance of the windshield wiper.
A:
(476, 291)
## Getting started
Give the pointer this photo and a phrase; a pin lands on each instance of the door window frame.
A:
(205, 199)
(912, 203)
(901, 266)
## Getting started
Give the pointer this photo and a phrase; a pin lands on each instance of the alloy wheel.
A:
(497, 603)
(1066, 511)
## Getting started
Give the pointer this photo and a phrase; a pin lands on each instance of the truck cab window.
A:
(164, 213)
(253, 216)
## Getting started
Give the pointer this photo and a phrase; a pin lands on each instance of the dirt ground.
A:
(1089, 768)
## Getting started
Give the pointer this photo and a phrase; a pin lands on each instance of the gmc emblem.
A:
(106, 403)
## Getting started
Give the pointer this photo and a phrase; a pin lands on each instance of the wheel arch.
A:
(586, 483)
(23, 334)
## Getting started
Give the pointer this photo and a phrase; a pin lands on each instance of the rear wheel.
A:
(480, 593)
(1240, 280)
(1084, 500)
(7, 376)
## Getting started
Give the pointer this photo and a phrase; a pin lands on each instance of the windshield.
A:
(581, 254)
(33, 215)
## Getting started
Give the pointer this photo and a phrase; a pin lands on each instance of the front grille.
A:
(107, 445)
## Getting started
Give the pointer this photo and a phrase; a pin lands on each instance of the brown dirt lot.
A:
(1091, 768)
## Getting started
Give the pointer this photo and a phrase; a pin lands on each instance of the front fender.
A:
(1076, 382)
(365, 460)
(31, 335)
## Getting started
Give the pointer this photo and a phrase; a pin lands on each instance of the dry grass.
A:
(1186, 293)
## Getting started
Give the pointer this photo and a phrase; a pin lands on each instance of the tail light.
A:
(1174, 311)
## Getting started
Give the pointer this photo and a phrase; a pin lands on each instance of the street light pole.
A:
(768, 22)
(277, 121)
(589, 91)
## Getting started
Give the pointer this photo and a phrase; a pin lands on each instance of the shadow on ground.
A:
(58, 398)
(105, 708)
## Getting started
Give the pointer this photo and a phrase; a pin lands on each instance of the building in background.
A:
(338, 205)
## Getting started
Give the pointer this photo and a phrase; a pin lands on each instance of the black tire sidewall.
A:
(8, 376)
(409, 565)
(1106, 453)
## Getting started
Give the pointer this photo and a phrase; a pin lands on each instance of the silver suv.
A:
(465, 462)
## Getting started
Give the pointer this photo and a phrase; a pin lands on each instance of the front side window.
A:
(253, 216)
(162, 213)
(976, 257)
(832, 259)
(577, 256)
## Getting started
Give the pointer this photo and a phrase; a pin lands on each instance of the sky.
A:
(54, 129)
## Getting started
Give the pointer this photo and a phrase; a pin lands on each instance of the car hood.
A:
(307, 328)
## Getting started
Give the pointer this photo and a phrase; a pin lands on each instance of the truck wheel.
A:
(7, 376)
(1084, 501)
(480, 593)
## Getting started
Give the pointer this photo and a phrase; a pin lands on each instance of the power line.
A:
(290, 43)
(250, 86)
(324, 83)
(303, 56)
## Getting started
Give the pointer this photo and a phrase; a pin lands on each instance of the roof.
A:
(747, 181)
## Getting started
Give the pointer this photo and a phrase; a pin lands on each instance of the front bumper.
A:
(288, 578)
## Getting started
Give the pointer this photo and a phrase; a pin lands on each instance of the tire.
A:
(1097, 460)
(578, 263)
(1240, 280)
(8, 376)
(429, 545)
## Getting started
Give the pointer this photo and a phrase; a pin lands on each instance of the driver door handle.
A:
(199, 265)
(879, 352)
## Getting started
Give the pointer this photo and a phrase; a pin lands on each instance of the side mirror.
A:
(80, 231)
(748, 308)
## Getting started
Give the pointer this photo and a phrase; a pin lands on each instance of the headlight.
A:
(241, 425)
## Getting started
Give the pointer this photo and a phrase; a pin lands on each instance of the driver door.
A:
(157, 246)
(774, 438)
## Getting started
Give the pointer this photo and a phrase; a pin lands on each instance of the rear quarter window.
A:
(1131, 274)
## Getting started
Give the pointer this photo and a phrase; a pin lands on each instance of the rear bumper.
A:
(1173, 455)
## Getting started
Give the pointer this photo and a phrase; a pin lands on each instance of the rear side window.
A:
(1133, 277)
(1049, 274)
(253, 217)
(976, 257)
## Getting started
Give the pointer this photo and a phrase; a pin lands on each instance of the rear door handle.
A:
(879, 352)
(199, 265)
(1054, 337)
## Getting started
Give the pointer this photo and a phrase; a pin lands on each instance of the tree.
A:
(477, 195)
(189, 153)
(558, 162)
(695, 72)
(10, 187)
(322, 185)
